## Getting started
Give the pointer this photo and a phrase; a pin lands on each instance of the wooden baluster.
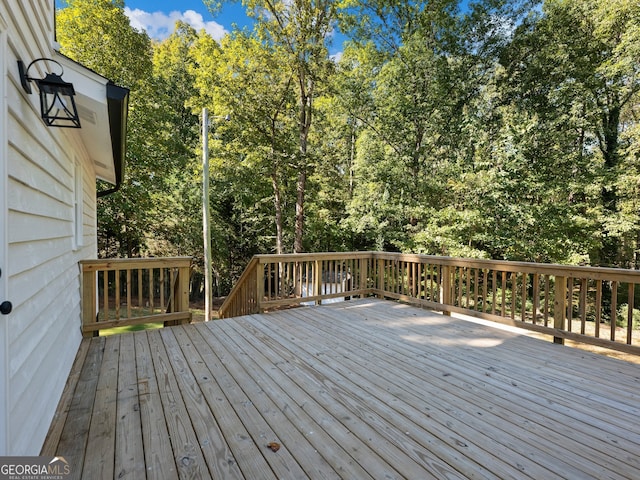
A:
(117, 294)
(485, 289)
(546, 300)
(286, 283)
(151, 292)
(317, 280)
(309, 279)
(536, 297)
(614, 310)
(598, 307)
(363, 264)
(128, 293)
(164, 307)
(476, 289)
(260, 273)
(570, 305)
(467, 287)
(630, 312)
(514, 289)
(427, 282)
(331, 277)
(140, 302)
(494, 291)
(105, 276)
(503, 302)
(583, 304)
(523, 298)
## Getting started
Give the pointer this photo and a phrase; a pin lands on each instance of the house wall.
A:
(4, 359)
(43, 283)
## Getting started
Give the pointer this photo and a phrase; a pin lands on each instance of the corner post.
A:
(182, 292)
(364, 273)
(559, 306)
(445, 288)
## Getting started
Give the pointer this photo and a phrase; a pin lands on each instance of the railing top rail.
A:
(306, 257)
(576, 271)
(133, 263)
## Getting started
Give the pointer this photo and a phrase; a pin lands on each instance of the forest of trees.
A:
(505, 129)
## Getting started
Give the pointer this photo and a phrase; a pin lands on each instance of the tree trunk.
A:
(277, 201)
(299, 231)
(306, 99)
(610, 249)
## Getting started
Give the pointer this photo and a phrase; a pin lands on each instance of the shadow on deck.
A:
(359, 389)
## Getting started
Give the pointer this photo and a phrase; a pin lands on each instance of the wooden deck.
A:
(353, 390)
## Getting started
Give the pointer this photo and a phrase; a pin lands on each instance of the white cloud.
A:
(160, 25)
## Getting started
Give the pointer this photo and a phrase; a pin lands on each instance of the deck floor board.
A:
(382, 374)
(452, 393)
(129, 448)
(359, 389)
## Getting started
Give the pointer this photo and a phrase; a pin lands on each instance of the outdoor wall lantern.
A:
(57, 105)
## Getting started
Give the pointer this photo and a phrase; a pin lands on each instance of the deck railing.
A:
(131, 291)
(586, 304)
(285, 280)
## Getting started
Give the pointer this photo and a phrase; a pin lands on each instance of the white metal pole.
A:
(206, 231)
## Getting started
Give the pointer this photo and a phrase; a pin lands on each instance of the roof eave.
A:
(103, 108)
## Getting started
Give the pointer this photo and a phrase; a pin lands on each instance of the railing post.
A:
(89, 299)
(445, 288)
(380, 283)
(364, 273)
(182, 293)
(559, 306)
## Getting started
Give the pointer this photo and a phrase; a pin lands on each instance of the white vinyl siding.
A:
(50, 212)
(4, 321)
(78, 206)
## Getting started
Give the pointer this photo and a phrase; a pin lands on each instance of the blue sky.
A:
(158, 17)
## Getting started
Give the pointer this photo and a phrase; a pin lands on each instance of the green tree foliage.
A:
(175, 220)
(244, 79)
(493, 128)
(573, 67)
(97, 34)
(300, 30)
